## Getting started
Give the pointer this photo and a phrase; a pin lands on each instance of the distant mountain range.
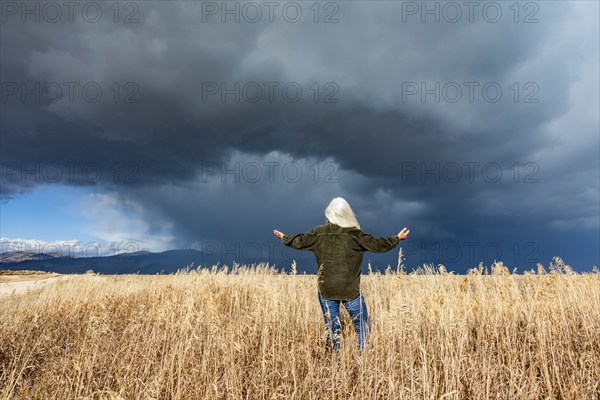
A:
(18, 256)
(143, 262)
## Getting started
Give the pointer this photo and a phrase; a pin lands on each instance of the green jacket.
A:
(339, 254)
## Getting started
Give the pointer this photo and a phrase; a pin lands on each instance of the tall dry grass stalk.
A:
(254, 333)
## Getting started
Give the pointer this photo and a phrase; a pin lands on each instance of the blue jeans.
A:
(357, 309)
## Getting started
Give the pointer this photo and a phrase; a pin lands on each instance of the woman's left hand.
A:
(278, 234)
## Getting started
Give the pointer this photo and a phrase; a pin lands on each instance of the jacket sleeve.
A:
(301, 241)
(377, 245)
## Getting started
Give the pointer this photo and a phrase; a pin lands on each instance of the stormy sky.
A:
(153, 125)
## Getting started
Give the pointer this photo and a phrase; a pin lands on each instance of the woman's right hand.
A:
(403, 233)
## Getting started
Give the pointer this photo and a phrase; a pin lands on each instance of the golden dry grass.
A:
(19, 276)
(251, 333)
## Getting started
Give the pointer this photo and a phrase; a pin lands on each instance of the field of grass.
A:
(19, 276)
(254, 333)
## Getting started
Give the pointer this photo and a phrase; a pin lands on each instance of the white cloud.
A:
(119, 223)
(40, 246)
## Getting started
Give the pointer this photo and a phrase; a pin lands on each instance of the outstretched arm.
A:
(301, 241)
(381, 245)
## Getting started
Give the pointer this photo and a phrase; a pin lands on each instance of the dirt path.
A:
(24, 286)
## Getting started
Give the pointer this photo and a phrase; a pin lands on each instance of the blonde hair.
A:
(339, 212)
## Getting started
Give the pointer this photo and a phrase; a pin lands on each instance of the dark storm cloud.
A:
(379, 138)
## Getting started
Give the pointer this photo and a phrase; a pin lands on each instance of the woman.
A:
(338, 245)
